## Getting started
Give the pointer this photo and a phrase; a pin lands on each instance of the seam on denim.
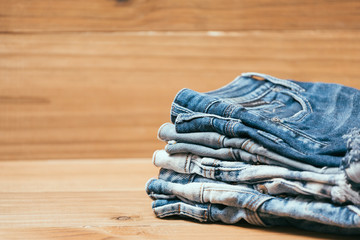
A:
(201, 197)
(249, 149)
(186, 162)
(212, 189)
(232, 110)
(253, 218)
(259, 220)
(244, 145)
(232, 154)
(173, 109)
(181, 108)
(214, 163)
(305, 105)
(191, 178)
(208, 217)
(218, 141)
(227, 130)
(233, 128)
(203, 169)
(194, 115)
(226, 111)
(294, 116)
(227, 169)
(182, 213)
(302, 114)
(211, 123)
(210, 104)
(205, 214)
(252, 203)
(233, 124)
(250, 218)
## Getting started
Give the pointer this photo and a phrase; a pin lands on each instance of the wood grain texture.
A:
(101, 199)
(104, 95)
(165, 15)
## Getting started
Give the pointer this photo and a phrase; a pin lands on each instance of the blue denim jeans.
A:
(215, 145)
(272, 180)
(299, 120)
(313, 123)
(209, 200)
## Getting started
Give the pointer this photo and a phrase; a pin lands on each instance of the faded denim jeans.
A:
(272, 180)
(302, 121)
(209, 200)
(214, 145)
(266, 150)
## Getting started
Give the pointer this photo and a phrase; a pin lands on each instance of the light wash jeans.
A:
(209, 200)
(215, 145)
(272, 180)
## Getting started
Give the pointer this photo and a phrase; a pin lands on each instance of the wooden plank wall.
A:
(95, 78)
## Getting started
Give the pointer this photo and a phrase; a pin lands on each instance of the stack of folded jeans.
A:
(269, 151)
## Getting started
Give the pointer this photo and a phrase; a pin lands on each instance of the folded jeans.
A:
(272, 180)
(261, 208)
(212, 144)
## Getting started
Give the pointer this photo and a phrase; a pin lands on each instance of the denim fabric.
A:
(351, 162)
(299, 120)
(272, 180)
(212, 144)
(235, 202)
(231, 215)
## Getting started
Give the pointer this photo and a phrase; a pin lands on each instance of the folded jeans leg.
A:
(245, 197)
(231, 215)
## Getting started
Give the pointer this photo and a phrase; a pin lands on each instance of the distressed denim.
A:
(231, 215)
(299, 120)
(208, 200)
(215, 145)
(272, 180)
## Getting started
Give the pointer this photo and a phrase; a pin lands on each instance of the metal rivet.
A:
(275, 119)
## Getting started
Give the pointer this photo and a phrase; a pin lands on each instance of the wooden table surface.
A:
(101, 199)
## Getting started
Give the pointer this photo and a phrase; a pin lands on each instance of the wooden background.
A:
(95, 78)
